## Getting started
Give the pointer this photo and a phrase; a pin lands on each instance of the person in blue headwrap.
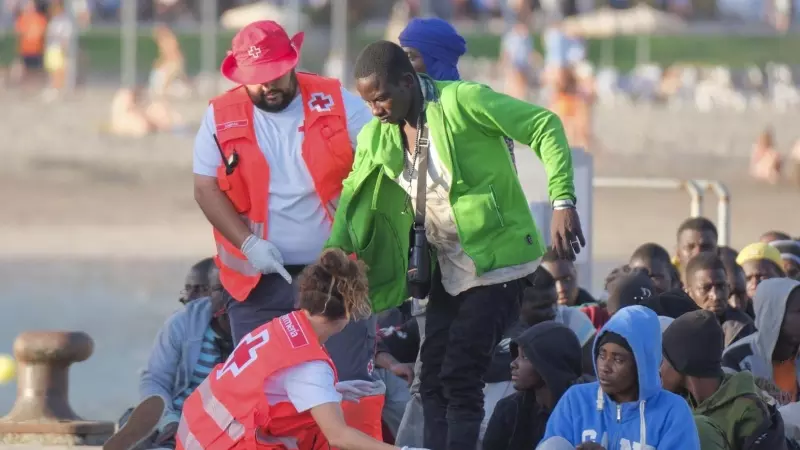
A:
(434, 47)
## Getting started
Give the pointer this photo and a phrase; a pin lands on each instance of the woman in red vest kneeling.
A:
(278, 390)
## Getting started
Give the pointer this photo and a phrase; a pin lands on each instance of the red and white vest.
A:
(229, 410)
(327, 152)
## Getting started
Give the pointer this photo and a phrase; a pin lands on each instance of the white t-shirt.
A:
(298, 225)
(458, 270)
(306, 386)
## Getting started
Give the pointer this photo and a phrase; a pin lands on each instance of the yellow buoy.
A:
(8, 368)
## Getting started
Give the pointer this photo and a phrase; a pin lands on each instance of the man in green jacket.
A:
(692, 366)
(483, 238)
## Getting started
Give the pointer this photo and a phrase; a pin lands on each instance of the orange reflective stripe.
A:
(235, 263)
(187, 440)
(219, 413)
(256, 228)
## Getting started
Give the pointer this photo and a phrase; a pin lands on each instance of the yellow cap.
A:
(759, 250)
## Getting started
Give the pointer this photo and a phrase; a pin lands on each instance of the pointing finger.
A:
(280, 270)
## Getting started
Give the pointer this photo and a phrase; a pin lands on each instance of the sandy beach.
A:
(117, 197)
(69, 133)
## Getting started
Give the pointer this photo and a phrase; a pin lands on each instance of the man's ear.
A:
(408, 80)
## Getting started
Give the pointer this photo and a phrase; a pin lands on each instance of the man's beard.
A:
(286, 97)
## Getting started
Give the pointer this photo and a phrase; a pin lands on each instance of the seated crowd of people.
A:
(706, 340)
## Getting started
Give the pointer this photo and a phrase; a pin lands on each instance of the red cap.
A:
(261, 52)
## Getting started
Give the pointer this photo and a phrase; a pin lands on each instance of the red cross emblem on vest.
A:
(320, 102)
(244, 354)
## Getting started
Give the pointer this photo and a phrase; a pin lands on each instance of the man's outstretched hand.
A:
(566, 234)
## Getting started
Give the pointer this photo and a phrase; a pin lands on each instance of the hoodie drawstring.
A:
(600, 399)
(642, 426)
(642, 423)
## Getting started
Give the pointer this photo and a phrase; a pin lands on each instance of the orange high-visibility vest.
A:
(229, 410)
(327, 152)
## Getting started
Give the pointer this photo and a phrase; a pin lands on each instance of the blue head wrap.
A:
(439, 44)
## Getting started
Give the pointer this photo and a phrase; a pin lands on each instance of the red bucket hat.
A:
(261, 52)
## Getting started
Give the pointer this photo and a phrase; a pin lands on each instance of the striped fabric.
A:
(210, 356)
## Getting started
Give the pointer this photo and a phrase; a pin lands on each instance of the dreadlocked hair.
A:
(335, 287)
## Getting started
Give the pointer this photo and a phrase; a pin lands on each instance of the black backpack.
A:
(770, 434)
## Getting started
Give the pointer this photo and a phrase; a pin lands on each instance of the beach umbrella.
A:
(641, 20)
(237, 18)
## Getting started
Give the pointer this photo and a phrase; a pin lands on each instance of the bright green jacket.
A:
(467, 122)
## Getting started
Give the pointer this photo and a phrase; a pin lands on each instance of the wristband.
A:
(563, 204)
(248, 243)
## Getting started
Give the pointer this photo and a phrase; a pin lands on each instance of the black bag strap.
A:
(421, 148)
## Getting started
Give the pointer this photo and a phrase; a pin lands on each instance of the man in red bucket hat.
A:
(262, 52)
(269, 161)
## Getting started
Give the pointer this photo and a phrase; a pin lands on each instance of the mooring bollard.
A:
(41, 413)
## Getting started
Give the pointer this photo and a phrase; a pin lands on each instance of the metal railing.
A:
(696, 190)
(723, 208)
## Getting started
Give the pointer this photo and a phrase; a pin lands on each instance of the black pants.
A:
(272, 297)
(461, 333)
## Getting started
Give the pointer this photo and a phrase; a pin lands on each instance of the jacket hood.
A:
(554, 351)
(733, 386)
(770, 306)
(639, 326)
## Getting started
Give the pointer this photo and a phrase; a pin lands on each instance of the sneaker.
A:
(141, 424)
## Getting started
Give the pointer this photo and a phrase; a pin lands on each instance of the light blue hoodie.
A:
(658, 420)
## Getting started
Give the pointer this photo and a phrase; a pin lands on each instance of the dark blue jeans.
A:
(461, 333)
(272, 297)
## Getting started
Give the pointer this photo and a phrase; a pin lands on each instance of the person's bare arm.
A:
(219, 210)
(386, 361)
(331, 422)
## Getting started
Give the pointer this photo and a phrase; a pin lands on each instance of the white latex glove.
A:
(355, 389)
(264, 256)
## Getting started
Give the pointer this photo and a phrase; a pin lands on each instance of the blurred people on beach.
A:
(518, 58)
(30, 28)
(60, 30)
(574, 107)
(134, 116)
(168, 75)
(765, 161)
(563, 47)
(794, 159)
